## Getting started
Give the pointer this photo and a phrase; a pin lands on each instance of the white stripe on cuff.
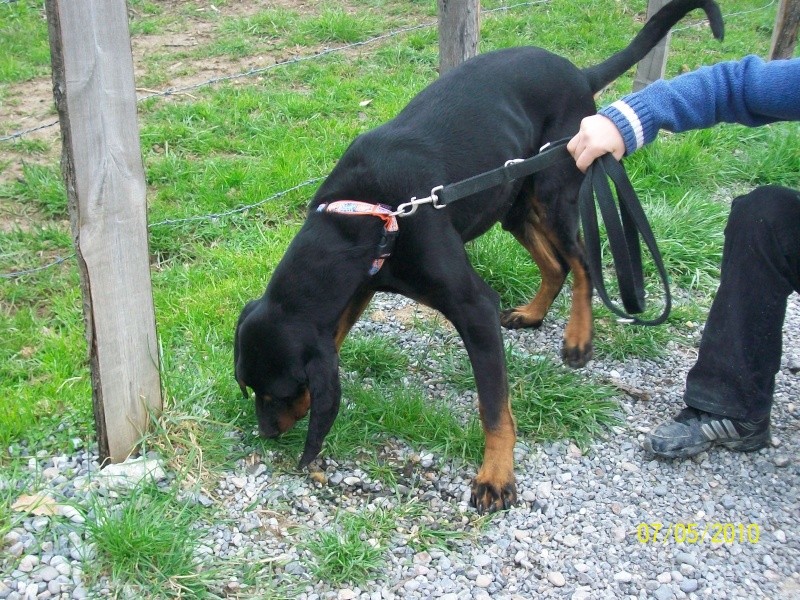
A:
(633, 119)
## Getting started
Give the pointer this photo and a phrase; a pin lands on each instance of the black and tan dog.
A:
(498, 106)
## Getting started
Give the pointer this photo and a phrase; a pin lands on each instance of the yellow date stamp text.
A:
(698, 533)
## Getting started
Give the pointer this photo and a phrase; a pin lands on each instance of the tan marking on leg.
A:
(553, 276)
(579, 330)
(494, 487)
(536, 241)
(546, 249)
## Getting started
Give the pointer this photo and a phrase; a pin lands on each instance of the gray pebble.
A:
(688, 586)
(47, 574)
(295, 568)
(686, 559)
(664, 592)
(782, 461)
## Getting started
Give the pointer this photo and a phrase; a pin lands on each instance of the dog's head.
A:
(271, 358)
(291, 369)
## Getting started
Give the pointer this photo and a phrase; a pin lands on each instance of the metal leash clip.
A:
(409, 208)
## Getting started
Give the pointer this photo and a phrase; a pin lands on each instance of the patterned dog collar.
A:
(384, 213)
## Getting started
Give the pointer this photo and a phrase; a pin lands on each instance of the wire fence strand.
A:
(224, 78)
(206, 217)
(291, 61)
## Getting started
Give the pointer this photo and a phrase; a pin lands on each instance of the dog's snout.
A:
(268, 432)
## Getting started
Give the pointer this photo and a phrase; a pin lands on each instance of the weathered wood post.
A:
(784, 36)
(652, 67)
(102, 166)
(459, 32)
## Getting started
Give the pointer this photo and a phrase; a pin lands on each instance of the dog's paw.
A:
(513, 319)
(489, 497)
(577, 356)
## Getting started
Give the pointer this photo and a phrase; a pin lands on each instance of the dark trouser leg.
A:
(740, 351)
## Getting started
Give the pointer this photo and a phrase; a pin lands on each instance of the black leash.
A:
(513, 169)
(624, 223)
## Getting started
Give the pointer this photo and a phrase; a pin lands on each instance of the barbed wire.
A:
(234, 211)
(15, 274)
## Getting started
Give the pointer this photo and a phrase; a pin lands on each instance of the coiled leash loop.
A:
(624, 225)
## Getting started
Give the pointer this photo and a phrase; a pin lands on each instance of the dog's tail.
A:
(656, 28)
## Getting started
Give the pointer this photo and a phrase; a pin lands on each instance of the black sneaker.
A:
(692, 431)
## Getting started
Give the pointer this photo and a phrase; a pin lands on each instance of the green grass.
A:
(352, 549)
(134, 547)
(12, 481)
(243, 142)
(373, 357)
(344, 553)
(549, 401)
(23, 38)
(40, 187)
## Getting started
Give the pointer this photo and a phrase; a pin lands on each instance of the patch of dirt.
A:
(29, 106)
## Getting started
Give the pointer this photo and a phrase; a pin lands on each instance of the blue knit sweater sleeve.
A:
(749, 92)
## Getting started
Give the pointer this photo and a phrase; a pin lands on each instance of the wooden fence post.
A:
(459, 31)
(652, 66)
(784, 36)
(102, 166)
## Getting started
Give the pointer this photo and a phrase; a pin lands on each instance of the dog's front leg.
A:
(494, 487)
(474, 310)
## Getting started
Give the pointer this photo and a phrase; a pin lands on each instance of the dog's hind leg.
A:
(577, 349)
(532, 234)
(556, 250)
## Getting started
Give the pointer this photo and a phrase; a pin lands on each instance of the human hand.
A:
(597, 136)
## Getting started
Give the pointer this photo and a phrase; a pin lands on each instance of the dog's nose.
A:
(268, 432)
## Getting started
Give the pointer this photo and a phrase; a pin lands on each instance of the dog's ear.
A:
(322, 374)
(238, 367)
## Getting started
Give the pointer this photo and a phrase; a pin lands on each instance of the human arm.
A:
(749, 92)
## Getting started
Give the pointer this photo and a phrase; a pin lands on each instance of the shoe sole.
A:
(750, 444)
(685, 452)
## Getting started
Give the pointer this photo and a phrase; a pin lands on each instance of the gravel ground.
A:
(584, 527)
